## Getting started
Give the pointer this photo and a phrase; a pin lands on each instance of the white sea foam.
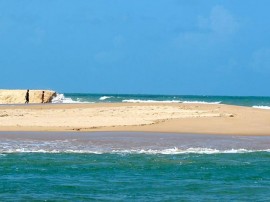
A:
(152, 101)
(172, 151)
(261, 107)
(169, 101)
(200, 102)
(104, 97)
(189, 151)
(60, 98)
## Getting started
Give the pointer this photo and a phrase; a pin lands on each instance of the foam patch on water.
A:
(169, 101)
(170, 151)
(261, 107)
(189, 151)
(104, 97)
(151, 101)
(60, 98)
(200, 102)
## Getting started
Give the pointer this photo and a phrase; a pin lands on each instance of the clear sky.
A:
(205, 47)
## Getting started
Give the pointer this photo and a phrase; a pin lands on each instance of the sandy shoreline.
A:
(137, 117)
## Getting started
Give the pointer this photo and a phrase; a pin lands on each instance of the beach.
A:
(137, 117)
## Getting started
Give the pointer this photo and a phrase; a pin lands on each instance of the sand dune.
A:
(18, 96)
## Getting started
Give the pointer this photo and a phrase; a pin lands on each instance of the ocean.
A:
(129, 166)
(251, 101)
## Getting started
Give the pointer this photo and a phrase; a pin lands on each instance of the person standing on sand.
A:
(27, 97)
(42, 97)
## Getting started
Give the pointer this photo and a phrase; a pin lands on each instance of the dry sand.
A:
(150, 117)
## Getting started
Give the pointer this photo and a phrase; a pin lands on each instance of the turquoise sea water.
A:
(233, 100)
(135, 177)
(133, 167)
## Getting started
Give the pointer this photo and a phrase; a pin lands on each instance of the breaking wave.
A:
(261, 107)
(170, 151)
(169, 101)
(189, 151)
(104, 97)
(152, 101)
(60, 98)
(200, 102)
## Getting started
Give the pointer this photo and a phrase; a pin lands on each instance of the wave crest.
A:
(60, 98)
(152, 101)
(169, 101)
(200, 102)
(171, 151)
(104, 97)
(261, 107)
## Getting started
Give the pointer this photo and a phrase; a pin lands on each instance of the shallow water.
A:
(133, 167)
(129, 142)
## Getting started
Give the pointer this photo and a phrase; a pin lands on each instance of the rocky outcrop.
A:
(18, 96)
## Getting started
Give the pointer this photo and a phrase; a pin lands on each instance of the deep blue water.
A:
(233, 100)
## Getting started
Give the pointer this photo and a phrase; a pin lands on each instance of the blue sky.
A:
(194, 47)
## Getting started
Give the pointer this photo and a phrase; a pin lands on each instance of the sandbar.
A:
(137, 117)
